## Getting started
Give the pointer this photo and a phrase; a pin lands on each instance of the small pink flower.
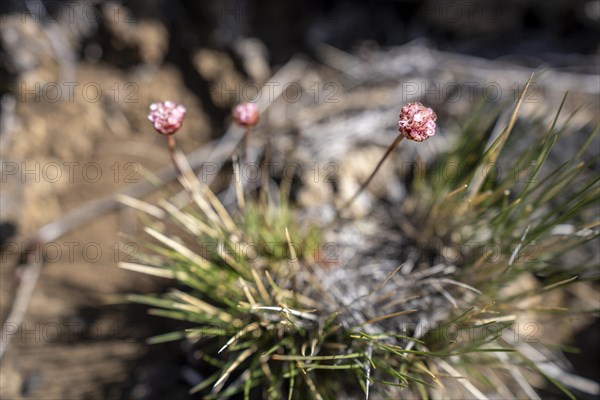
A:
(246, 114)
(417, 122)
(167, 116)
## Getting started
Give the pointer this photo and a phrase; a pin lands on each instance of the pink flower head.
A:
(417, 122)
(246, 114)
(166, 116)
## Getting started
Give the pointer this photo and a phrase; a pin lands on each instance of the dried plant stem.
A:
(29, 278)
(389, 150)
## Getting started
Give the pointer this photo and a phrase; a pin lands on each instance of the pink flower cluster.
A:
(246, 114)
(167, 117)
(417, 122)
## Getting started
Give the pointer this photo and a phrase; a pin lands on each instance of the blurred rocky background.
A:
(76, 78)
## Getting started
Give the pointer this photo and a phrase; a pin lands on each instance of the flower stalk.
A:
(415, 122)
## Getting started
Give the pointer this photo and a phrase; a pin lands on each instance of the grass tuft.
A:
(272, 320)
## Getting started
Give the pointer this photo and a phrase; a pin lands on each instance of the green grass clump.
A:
(498, 217)
(251, 279)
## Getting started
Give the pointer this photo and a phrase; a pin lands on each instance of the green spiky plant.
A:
(252, 279)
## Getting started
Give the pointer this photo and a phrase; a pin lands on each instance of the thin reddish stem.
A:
(245, 142)
(172, 151)
(389, 150)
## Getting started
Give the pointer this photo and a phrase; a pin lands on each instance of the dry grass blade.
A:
(518, 377)
(178, 247)
(557, 284)
(462, 380)
(250, 328)
(238, 361)
(517, 249)
(387, 316)
(286, 310)
(259, 285)
(189, 222)
(140, 205)
(203, 306)
(239, 188)
(293, 255)
(145, 269)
